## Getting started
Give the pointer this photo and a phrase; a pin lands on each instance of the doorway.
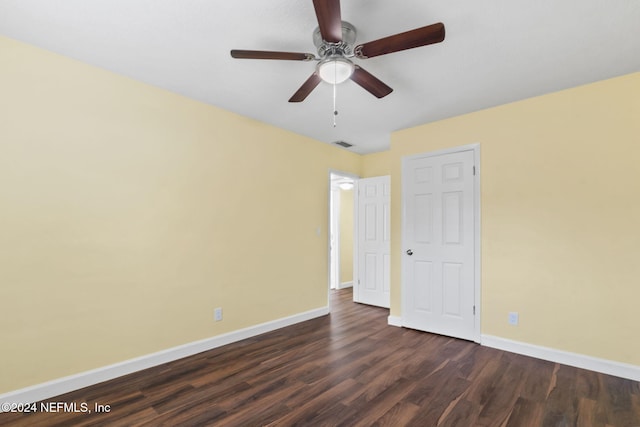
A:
(341, 229)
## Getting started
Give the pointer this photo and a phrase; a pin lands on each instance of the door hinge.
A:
(474, 169)
(474, 310)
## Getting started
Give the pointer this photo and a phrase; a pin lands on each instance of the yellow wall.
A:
(376, 164)
(128, 213)
(560, 186)
(346, 236)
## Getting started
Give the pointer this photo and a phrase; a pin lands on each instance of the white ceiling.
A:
(495, 52)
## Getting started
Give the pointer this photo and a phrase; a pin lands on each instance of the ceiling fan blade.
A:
(370, 83)
(306, 88)
(329, 19)
(266, 54)
(408, 40)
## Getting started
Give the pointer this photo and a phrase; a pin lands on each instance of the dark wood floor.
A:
(351, 369)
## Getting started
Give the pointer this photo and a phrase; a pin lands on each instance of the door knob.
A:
(409, 252)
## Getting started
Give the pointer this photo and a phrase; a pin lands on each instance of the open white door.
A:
(439, 271)
(371, 284)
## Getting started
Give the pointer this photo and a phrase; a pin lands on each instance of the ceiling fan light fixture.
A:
(335, 69)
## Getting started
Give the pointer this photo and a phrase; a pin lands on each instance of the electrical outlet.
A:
(513, 318)
(217, 314)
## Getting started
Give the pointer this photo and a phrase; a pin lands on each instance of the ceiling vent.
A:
(343, 144)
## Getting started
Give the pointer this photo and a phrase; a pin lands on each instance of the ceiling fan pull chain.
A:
(335, 110)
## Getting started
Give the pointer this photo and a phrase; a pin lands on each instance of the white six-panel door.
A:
(373, 253)
(438, 243)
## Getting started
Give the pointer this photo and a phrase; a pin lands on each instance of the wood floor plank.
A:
(463, 413)
(398, 416)
(349, 369)
(525, 413)
(561, 408)
(499, 404)
(435, 394)
(589, 414)
(538, 381)
(618, 394)
(483, 384)
(314, 404)
(375, 409)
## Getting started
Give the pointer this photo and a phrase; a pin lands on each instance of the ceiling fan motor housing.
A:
(343, 48)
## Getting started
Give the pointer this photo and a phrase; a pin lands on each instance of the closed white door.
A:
(373, 260)
(439, 246)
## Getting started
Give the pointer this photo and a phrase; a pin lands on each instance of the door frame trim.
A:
(334, 229)
(475, 148)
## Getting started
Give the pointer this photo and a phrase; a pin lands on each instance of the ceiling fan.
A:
(334, 39)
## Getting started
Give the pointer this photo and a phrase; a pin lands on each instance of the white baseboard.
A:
(84, 379)
(618, 369)
(394, 321)
(344, 285)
